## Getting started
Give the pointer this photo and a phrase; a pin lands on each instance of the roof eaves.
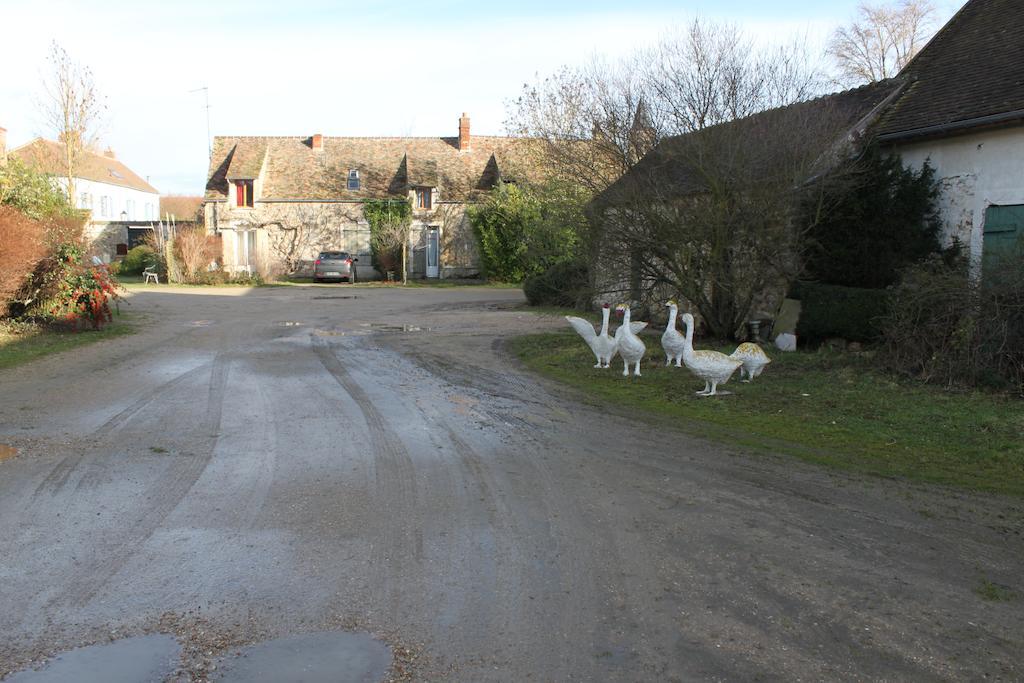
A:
(955, 127)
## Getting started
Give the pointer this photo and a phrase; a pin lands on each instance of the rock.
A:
(786, 342)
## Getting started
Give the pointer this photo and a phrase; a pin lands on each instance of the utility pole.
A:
(209, 143)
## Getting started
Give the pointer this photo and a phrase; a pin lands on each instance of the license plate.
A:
(332, 273)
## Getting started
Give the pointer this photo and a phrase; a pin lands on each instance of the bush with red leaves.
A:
(23, 245)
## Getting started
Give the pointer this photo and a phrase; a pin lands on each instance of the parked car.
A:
(334, 265)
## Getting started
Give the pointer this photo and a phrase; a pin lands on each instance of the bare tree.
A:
(881, 40)
(590, 123)
(593, 123)
(709, 216)
(710, 173)
(707, 73)
(72, 109)
(389, 240)
(195, 251)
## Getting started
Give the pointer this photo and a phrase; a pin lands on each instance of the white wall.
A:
(106, 203)
(975, 171)
(134, 202)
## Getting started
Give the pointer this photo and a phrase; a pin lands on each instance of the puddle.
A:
(329, 333)
(311, 658)
(290, 323)
(7, 452)
(147, 658)
(395, 328)
(323, 298)
(199, 323)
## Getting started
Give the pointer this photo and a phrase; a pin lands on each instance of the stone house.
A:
(121, 204)
(963, 112)
(278, 201)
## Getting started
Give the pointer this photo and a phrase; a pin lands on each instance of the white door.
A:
(433, 269)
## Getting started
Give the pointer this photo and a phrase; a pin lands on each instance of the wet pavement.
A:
(256, 466)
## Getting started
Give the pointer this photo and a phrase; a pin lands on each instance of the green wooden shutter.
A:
(1004, 233)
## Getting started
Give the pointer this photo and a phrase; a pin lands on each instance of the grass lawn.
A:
(22, 343)
(829, 408)
(412, 284)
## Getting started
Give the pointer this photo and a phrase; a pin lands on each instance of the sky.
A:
(298, 67)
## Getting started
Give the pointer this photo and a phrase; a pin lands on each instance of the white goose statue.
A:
(604, 346)
(753, 358)
(711, 366)
(671, 340)
(601, 344)
(631, 347)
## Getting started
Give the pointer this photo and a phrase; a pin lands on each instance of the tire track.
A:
(250, 485)
(90, 577)
(394, 477)
(58, 477)
(531, 518)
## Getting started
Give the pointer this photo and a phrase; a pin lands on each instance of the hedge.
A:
(828, 311)
(563, 284)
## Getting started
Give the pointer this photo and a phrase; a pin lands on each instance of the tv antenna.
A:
(206, 96)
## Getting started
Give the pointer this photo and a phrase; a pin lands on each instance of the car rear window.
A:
(333, 255)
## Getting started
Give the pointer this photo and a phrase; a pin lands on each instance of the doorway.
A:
(433, 254)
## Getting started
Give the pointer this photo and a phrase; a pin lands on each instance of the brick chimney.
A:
(109, 153)
(464, 131)
(3, 146)
(317, 142)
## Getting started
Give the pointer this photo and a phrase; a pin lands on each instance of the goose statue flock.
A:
(713, 367)
(604, 346)
(631, 347)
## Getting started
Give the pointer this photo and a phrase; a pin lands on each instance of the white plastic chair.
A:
(150, 273)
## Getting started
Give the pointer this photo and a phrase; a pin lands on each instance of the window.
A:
(105, 206)
(84, 201)
(353, 179)
(424, 197)
(129, 208)
(243, 193)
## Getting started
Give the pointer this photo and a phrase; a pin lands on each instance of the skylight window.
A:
(353, 179)
(115, 174)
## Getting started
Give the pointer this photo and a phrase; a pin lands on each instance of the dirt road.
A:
(261, 463)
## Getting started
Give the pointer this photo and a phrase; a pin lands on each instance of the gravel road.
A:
(262, 463)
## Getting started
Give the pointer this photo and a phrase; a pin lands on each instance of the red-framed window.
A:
(243, 193)
(424, 197)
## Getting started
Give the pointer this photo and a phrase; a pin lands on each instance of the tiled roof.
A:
(246, 159)
(183, 207)
(972, 70)
(48, 157)
(671, 161)
(387, 166)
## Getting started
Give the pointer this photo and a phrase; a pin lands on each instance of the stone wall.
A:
(103, 239)
(289, 235)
